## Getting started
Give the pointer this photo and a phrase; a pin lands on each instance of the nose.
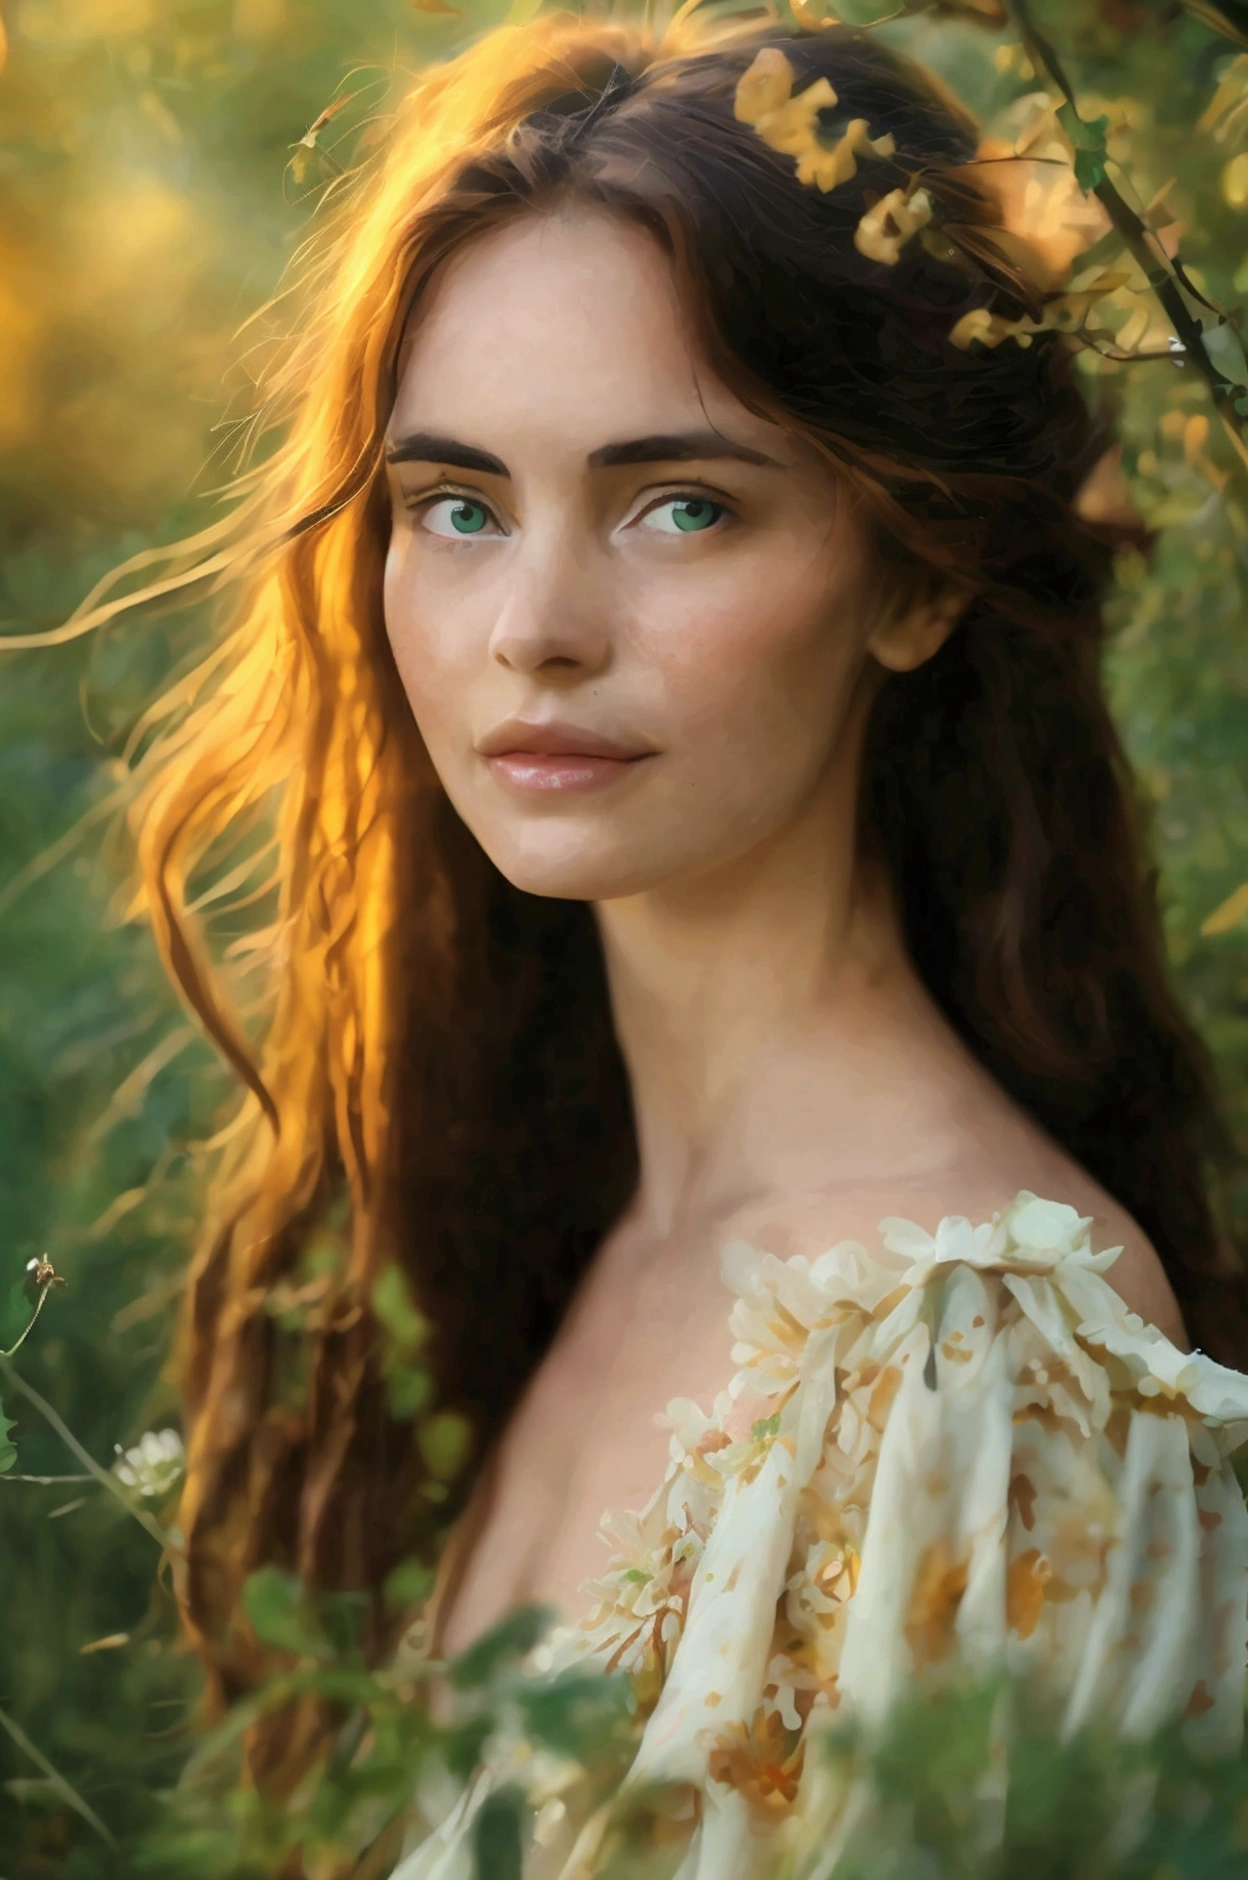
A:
(554, 620)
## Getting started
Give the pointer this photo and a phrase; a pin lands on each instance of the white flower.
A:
(1046, 1226)
(155, 1463)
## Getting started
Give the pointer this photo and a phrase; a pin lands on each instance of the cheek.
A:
(762, 659)
(429, 657)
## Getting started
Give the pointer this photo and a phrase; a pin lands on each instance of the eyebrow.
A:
(660, 447)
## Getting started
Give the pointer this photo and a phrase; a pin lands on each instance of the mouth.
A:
(560, 771)
(557, 758)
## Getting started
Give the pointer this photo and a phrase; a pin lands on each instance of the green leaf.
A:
(408, 1390)
(512, 1639)
(274, 1603)
(577, 1713)
(1087, 135)
(395, 1311)
(444, 1443)
(407, 1585)
(344, 1616)
(1084, 133)
(497, 1849)
(1089, 168)
(8, 1450)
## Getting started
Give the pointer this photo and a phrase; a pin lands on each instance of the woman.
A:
(672, 631)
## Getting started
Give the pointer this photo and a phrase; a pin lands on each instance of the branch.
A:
(1166, 278)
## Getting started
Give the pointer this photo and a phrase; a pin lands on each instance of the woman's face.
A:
(629, 615)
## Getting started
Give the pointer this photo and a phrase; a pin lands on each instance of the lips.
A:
(555, 738)
(557, 758)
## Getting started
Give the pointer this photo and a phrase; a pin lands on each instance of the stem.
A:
(47, 1480)
(67, 1792)
(1164, 276)
(46, 1289)
(88, 1462)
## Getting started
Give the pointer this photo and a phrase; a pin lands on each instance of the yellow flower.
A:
(884, 231)
(991, 328)
(1063, 313)
(827, 167)
(766, 87)
(764, 98)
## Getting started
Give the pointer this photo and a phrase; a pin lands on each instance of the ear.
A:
(907, 639)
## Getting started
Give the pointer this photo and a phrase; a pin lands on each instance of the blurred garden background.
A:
(158, 168)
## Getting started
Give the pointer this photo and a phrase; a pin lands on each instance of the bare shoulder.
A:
(808, 1223)
(1138, 1274)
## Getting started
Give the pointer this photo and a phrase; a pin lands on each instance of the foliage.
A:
(160, 159)
(1095, 1806)
(364, 1786)
(934, 1799)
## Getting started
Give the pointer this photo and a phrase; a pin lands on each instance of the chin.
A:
(568, 882)
(569, 866)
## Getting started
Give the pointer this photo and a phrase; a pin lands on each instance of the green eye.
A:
(684, 515)
(455, 516)
(467, 518)
(691, 513)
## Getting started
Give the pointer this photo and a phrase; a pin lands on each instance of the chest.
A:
(587, 1437)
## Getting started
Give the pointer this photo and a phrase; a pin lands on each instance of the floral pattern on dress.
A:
(969, 1455)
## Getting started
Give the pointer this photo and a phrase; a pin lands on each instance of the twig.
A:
(48, 1481)
(1166, 278)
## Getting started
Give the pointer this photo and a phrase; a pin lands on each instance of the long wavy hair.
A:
(431, 1079)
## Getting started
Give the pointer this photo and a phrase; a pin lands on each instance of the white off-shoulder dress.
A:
(961, 1454)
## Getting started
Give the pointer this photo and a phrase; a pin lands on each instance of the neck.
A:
(765, 1013)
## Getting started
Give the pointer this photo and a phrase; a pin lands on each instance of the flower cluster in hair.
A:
(791, 124)
(1045, 220)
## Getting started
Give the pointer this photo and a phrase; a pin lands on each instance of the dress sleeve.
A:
(956, 1451)
(968, 1454)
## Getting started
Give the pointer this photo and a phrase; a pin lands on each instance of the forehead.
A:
(562, 326)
